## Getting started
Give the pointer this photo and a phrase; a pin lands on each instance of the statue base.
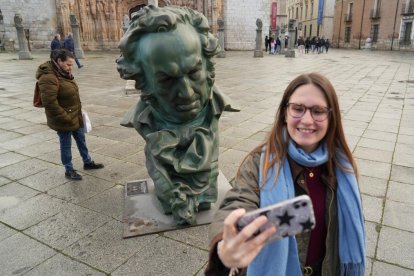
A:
(144, 215)
(221, 54)
(25, 55)
(290, 53)
(258, 53)
(130, 88)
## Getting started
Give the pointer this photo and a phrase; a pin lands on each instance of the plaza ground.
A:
(51, 226)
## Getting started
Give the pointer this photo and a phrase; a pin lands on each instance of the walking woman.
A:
(304, 153)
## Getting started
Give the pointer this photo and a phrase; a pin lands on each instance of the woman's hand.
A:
(238, 249)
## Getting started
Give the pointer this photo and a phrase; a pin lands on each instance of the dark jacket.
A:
(245, 194)
(55, 44)
(60, 97)
(69, 44)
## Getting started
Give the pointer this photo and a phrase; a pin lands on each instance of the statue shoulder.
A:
(221, 102)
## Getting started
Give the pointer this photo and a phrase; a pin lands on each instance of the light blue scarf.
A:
(281, 258)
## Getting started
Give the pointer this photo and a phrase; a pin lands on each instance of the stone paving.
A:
(51, 226)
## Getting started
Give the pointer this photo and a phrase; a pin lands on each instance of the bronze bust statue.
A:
(168, 52)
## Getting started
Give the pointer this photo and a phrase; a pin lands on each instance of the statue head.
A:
(168, 52)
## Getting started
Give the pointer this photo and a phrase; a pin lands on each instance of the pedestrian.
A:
(307, 45)
(321, 45)
(327, 45)
(313, 44)
(273, 45)
(301, 45)
(69, 44)
(266, 40)
(278, 45)
(60, 98)
(56, 43)
(305, 152)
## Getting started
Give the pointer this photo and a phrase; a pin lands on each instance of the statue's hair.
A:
(156, 20)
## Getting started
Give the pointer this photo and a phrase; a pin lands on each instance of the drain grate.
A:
(407, 81)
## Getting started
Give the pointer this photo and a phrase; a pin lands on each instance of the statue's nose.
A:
(185, 89)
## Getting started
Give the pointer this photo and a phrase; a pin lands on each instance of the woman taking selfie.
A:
(304, 153)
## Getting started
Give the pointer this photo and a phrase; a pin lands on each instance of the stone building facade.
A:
(312, 17)
(100, 21)
(387, 23)
(240, 22)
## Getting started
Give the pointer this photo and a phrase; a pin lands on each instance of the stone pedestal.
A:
(258, 52)
(130, 88)
(290, 52)
(220, 23)
(24, 52)
(76, 36)
(144, 215)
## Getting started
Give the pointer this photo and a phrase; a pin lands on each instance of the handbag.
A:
(87, 125)
(37, 98)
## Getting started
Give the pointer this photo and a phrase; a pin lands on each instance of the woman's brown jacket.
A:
(245, 194)
(60, 97)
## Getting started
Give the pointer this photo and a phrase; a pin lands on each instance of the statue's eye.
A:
(166, 80)
(195, 74)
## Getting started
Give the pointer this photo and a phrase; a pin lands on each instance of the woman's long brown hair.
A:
(276, 146)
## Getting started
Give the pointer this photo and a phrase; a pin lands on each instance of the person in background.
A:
(278, 45)
(61, 100)
(55, 44)
(307, 45)
(305, 152)
(266, 41)
(327, 45)
(69, 45)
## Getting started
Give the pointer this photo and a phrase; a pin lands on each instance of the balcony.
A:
(407, 7)
(348, 17)
(375, 13)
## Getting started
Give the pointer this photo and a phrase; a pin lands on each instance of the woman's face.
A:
(306, 131)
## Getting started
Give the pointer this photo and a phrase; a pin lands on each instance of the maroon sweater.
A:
(317, 193)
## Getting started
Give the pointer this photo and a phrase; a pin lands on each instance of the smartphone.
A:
(291, 217)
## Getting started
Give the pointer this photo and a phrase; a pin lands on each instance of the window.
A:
(406, 33)
(304, 32)
(374, 32)
(306, 12)
(297, 11)
(301, 12)
(317, 30)
(311, 11)
(310, 31)
(347, 34)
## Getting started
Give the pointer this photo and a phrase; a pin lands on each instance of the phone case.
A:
(291, 217)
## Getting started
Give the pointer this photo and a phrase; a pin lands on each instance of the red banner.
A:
(274, 14)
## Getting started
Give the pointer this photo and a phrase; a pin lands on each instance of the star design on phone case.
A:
(285, 218)
(307, 225)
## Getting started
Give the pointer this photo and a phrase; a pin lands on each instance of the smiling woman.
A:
(304, 153)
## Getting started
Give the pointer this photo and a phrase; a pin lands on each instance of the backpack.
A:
(37, 99)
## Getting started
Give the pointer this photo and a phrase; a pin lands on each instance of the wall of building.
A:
(240, 22)
(39, 16)
(306, 16)
(389, 22)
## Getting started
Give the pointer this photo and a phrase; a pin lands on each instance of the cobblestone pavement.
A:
(49, 226)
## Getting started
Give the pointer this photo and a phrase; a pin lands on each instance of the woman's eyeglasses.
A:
(318, 113)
